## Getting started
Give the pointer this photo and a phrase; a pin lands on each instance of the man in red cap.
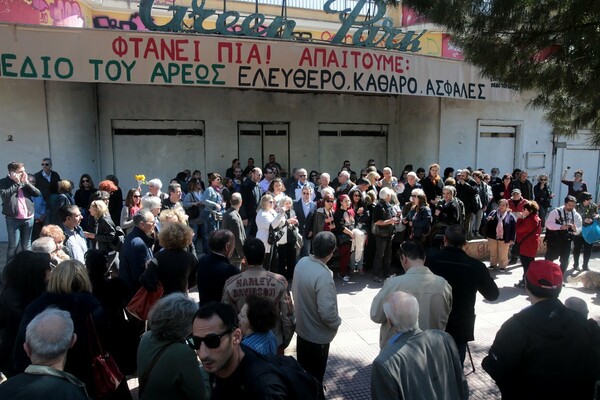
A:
(546, 351)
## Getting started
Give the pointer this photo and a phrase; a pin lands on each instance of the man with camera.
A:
(18, 207)
(561, 224)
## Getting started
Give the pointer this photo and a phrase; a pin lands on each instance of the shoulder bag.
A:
(107, 376)
(144, 300)
(517, 246)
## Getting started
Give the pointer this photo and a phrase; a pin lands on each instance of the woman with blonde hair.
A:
(173, 266)
(432, 185)
(69, 289)
(106, 232)
(286, 247)
(267, 218)
(373, 177)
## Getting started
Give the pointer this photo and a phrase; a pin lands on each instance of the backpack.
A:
(119, 239)
(300, 384)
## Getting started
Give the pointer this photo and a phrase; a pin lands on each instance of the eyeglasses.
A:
(45, 164)
(212, 341)
(150, 222)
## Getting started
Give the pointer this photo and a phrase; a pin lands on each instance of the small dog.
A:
(589, 279)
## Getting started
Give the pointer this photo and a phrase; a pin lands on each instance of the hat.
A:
(516, 191)
(544, 278)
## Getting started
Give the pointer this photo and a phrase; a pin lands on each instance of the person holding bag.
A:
(500, 232)
(529, 228)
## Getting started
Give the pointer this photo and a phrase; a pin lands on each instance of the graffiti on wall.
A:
(69, 13)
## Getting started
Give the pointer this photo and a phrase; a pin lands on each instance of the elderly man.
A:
(257, 281)
(295, 190)
(136, 251)
(48, 338)
(432, 292)
(317, 318)
(417, 364)
(344, 184)
(18, 207)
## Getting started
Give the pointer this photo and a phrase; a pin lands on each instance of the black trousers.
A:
(578, 243)
(313, 358)
(559, 249)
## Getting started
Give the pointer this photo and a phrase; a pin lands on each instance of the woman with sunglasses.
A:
(323, 220)
(168, 367)
(543, 196)
(82, 195)
(419, 218)
(133, 204)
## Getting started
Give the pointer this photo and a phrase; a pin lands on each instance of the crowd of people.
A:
(260, 249)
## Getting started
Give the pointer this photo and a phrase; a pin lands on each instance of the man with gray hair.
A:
(427, 361)
(317, 318)
(232, 221)
(136, 251)
(295, 190)
(48, 338)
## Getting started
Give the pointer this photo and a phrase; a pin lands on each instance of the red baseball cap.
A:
(544, 278)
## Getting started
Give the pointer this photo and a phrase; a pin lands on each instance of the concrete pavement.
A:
(356, 344)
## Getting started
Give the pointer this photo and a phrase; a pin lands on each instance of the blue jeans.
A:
(19, 232)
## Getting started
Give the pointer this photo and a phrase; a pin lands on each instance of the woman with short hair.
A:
(106, 232)
(500, 232)
(384, 219)
(64, 197)
(168, 366)
(419, 217)
(529, 228)
(267, 218)
(257, 319)
(213, 204)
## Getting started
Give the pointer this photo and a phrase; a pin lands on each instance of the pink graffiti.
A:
(66, 13)
(133, 24)
(40, 5)
(411, 17)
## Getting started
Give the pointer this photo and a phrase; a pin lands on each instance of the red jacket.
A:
(530, 241)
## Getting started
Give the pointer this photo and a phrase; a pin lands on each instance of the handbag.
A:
(143, 301)
(193, 212)
(107, 376)
(517, 246)
(591, 233)
(342, 239)
(275, 234)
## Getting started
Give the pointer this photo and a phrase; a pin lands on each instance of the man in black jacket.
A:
(466, 191)
(546, 351)
(251, 194)
(467, 276)
(214, 268)
(18, 208)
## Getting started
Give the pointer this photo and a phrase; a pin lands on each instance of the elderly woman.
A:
(174, 267)
(57, 234)
(268, 219)
(213, 204)
(501, 229)
(70, 289)
(419, 218)
(168, 367)
(154, 189)
(343, 218)
(24, 278)
(286, 246)
(257, 319)
(384, 220)
(529, 228)
(133, 204)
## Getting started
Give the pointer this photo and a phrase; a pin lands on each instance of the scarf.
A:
(500, 225)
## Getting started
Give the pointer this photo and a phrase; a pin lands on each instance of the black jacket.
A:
(213, 270)
(9, 191)
(47, 188)
(546, 351)
(467, 276)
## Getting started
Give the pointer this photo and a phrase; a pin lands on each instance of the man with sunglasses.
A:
(46, 180)
(238, 372)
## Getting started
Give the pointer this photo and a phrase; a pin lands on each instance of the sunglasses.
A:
(45, 164)
(543, 180)
(85, 181)
(302, 176)
(328, 201)
(136, 195)
(212, 341)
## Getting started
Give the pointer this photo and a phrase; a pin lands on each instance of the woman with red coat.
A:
(529, 228)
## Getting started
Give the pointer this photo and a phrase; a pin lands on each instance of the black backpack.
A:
(117, 242)
(299, 384)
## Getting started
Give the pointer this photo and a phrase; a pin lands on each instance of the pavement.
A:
(356, 344)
